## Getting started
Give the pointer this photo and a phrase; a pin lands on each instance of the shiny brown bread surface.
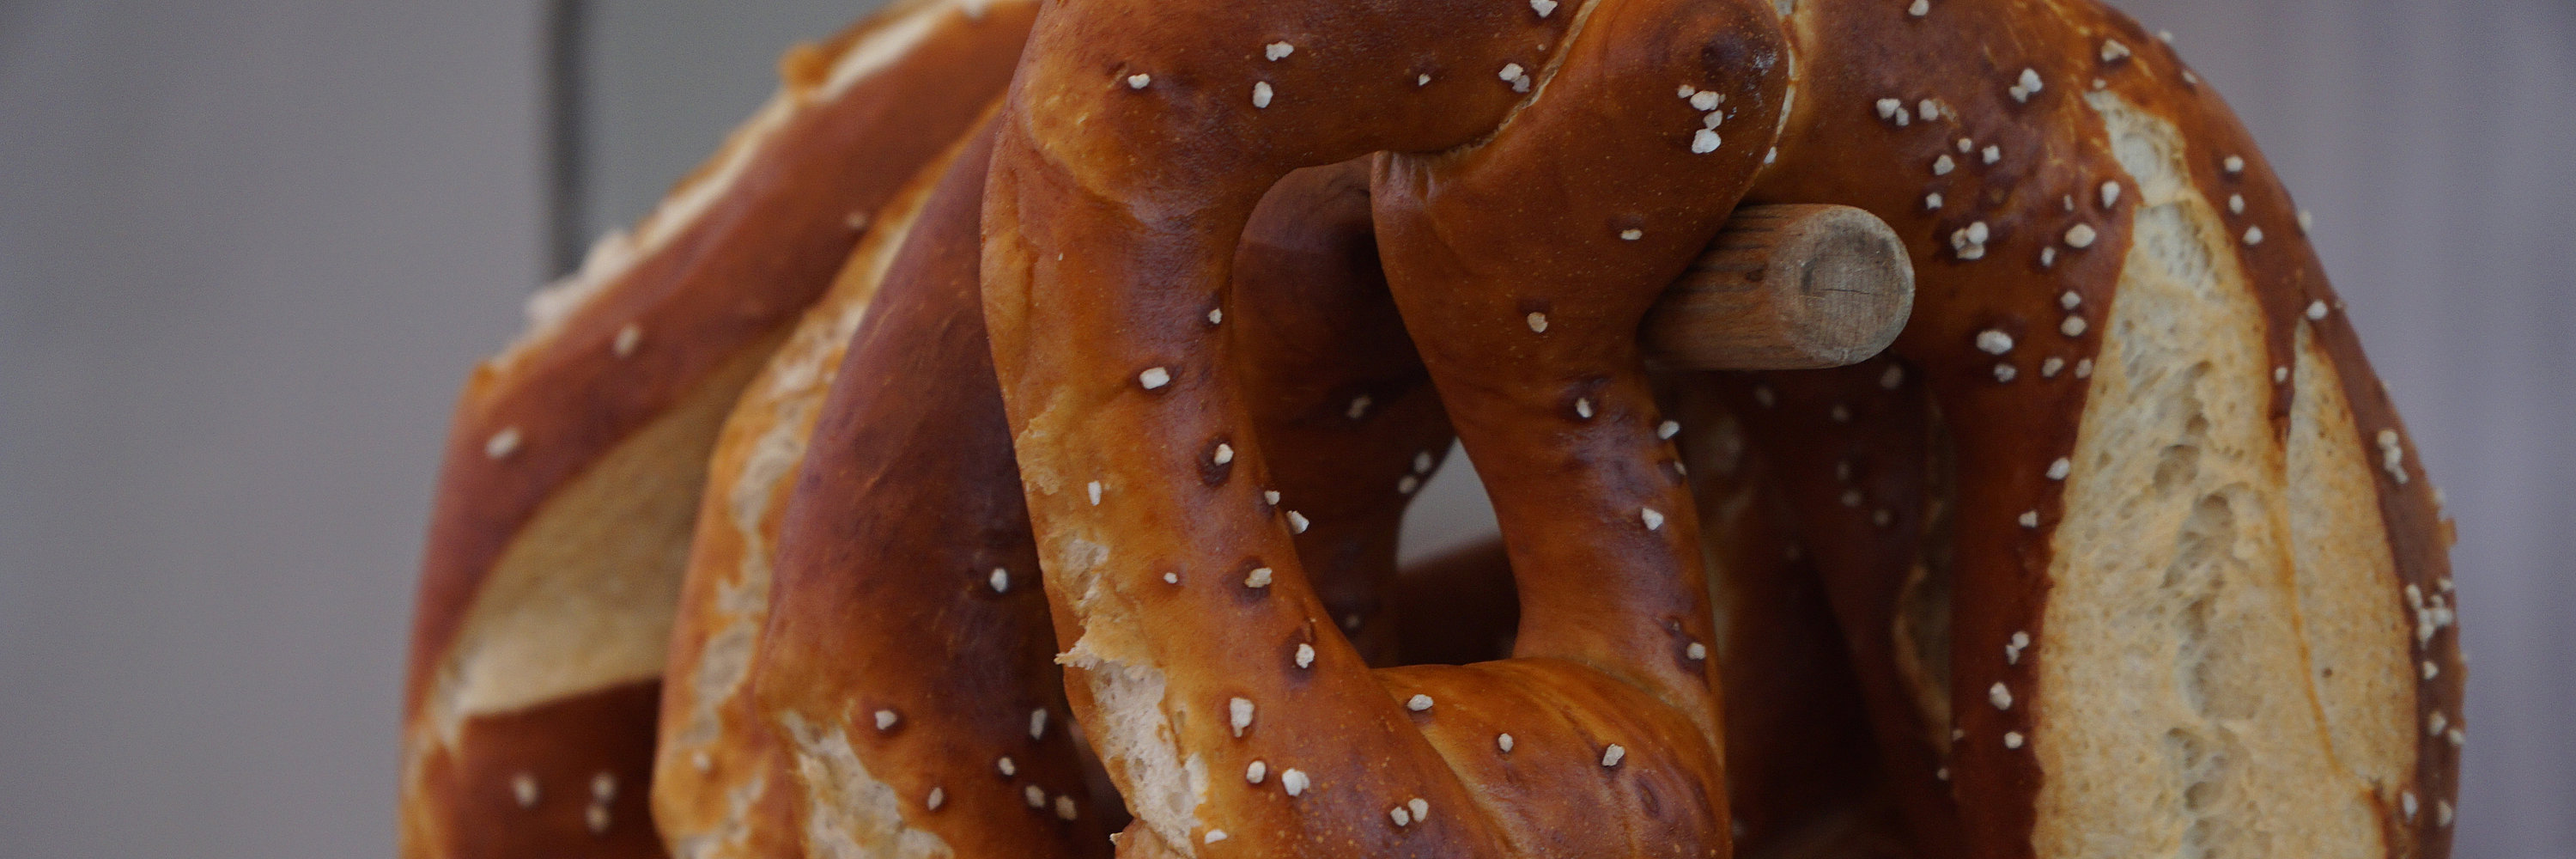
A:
(904, 658)
(887, 695)
(2122, 549)
(1841, 460)
(2187, 537)
(900, 665)
(1612, 724)
(723, 782)
(1338, 400)
(1800, 757)
(577, 457)
(2188, 501)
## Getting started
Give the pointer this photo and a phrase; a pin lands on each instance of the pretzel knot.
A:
(2120, 544)
(1232, 714)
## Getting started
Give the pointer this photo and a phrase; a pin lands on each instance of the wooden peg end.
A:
(1786, 287)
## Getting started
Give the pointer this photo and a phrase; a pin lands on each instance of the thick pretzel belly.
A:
(2196, 586)
(577, 456)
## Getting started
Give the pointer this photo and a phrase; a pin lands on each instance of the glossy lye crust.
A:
(2070, 196)
(1800, 762)
(2132, 318)
(1877, 564)
(576, 457)
(906, 652)
(723, 779)
(1611, 726)
(1069, 505)
(1336, 395)
(906, 507)
(822, 731)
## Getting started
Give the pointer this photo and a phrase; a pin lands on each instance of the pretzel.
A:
(901, 672)
(2134, 367)
(1800, 779)
(1800, 776)
(1760, 489)
(1527, 220)
(802, 730)
(1360, 413)
(1612, 724)
(1336, 397)
(720, 765)
(574, 463)
(1565, 161)
(1798, 744)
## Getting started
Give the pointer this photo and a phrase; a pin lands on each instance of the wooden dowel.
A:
(1786, 287)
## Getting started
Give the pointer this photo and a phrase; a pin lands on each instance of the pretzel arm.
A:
(899, 694)
(1109, 222)
(1199, 649)
(1524, 282)
(2188, 540)
(573, 468)
(1347, 415)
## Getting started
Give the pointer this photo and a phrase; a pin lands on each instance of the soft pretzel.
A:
(1337, 398)
(2198, 592)
(882, 690)
(1891, 629)
(1800, 778)
(905, 664)
(2140, 559)
(1798, 746)
(574, 464)
(1800, 774)
(1610, 715)
(721, 767)
(2196, 601)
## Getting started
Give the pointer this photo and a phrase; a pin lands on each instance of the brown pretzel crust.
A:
(1836, 450)
(893, 670)
(721, 777)
(526, 792)
(1798, 743)
(1799, 763)
(2191, 402)
(1344, 410)
(1138, 151)
(593, 430)
(1458, 607)
(891, 483)
(1083, 243)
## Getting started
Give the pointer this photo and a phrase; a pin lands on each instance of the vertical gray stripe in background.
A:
(566, 163)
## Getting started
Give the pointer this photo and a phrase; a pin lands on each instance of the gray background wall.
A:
(249, 247)
(247, 250)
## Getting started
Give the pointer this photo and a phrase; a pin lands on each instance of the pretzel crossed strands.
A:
(1545, 172)
(902, 684)
(894, 691)
(2122, 490)
(1523, 284)
(1343, 382)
